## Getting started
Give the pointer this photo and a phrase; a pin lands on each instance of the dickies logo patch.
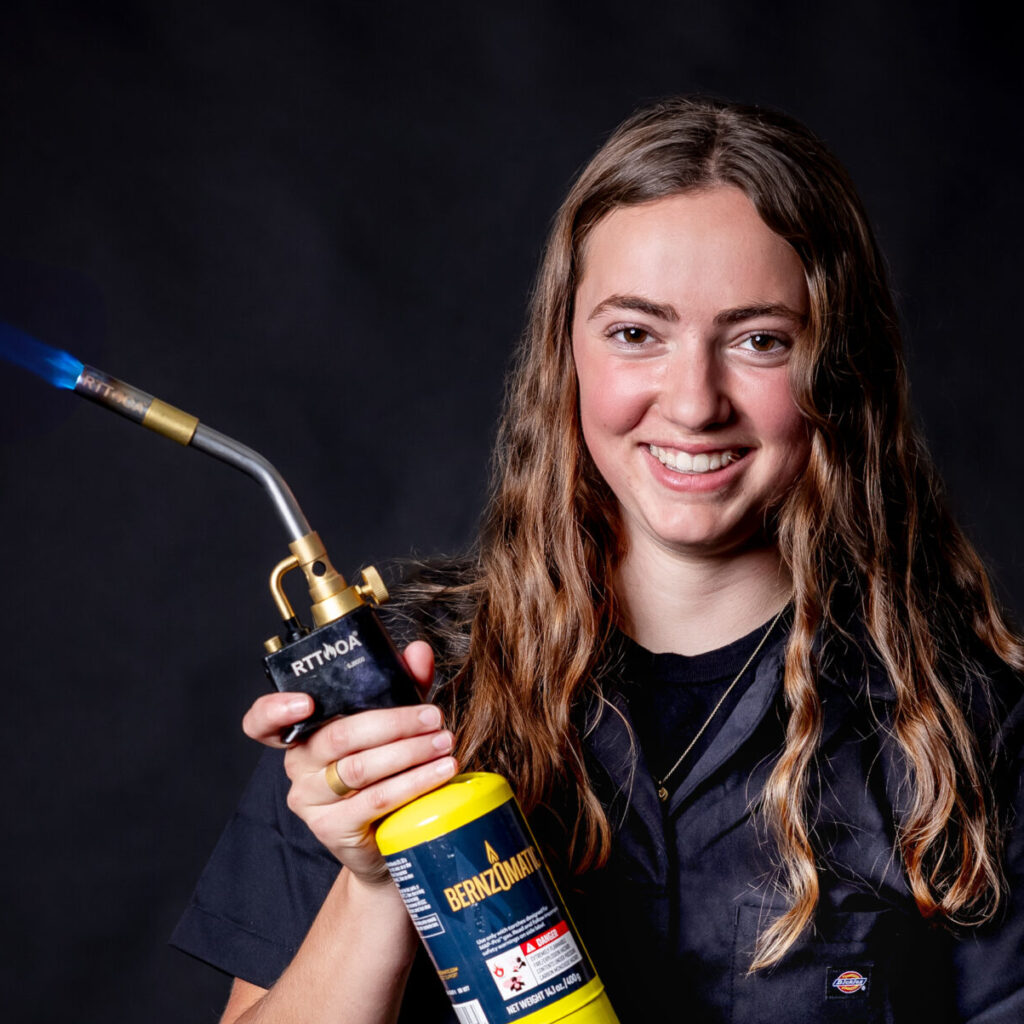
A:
(847, 982)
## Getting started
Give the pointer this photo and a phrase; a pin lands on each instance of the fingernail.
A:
(443, 741)
(297, 705)
(444, 767)
(430, 716)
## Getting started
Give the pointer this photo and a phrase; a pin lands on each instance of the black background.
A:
(315, 225)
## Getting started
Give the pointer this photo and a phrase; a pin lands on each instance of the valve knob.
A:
(372, 586)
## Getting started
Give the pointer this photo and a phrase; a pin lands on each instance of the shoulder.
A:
(987, 691)
(870, 720)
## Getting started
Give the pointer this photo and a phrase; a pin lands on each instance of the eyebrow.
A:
(668, 313)
(736, 316)
(637, 303)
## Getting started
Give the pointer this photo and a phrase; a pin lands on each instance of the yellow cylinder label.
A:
(490, 916)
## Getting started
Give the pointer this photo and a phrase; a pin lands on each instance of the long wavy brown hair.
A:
(864, 532)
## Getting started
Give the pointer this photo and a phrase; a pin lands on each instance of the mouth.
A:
(695, 465)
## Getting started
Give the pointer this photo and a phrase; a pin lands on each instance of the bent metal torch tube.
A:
(141, 407)
(63, 370)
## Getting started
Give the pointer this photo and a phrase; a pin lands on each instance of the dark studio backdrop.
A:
(315, 225)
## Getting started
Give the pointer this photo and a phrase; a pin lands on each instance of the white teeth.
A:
(684, 462)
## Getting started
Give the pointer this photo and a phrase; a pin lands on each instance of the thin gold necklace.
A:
(663, 793)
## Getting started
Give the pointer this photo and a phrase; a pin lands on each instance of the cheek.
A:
(782, 425)
(612, 400)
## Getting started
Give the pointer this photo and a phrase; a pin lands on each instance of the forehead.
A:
(707, 249)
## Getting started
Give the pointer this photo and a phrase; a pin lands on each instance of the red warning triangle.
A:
(530, 947)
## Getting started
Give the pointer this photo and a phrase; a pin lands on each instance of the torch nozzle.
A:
(331, 596)
(138, 406)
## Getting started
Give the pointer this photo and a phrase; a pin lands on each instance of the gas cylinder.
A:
(485, 905)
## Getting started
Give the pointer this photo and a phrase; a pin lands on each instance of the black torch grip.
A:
(346, 666)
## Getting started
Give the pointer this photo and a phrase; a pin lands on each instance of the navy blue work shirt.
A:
(672, 920)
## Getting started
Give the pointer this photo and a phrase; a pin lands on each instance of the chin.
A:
(712, 540)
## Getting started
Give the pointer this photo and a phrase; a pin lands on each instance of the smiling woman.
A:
(742, 668)
(685, 315)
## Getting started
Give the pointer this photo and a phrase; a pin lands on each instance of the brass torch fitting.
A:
(284, 606)
(171, 422)
(332, 597)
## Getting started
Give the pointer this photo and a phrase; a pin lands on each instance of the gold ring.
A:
(335, 781)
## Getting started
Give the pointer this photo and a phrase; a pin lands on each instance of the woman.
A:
(745, 673)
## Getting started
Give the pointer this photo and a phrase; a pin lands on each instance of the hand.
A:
(388, 757)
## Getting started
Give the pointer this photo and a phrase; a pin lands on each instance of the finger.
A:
(366, 767)
(272, 713)
(419, 659)
(344, 822)
(383, 797)
(351, 733)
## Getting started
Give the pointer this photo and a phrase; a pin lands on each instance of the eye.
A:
(763, 343)
(631, 335)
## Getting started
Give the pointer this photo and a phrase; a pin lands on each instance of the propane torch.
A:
(346, 662)
(523, 958)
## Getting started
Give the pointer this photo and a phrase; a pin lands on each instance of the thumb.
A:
(419, 659)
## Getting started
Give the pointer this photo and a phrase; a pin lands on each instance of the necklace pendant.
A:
(662, 794)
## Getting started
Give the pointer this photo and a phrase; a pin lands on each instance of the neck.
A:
(688, 605)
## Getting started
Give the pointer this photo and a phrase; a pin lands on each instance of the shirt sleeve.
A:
(262, 888)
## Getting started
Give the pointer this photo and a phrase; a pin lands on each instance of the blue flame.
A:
(59, 368)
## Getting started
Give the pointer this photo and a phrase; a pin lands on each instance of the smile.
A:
(705, 462)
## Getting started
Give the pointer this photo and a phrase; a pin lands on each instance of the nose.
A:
(694, 393)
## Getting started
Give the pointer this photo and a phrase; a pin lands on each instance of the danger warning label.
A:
(537, 960)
